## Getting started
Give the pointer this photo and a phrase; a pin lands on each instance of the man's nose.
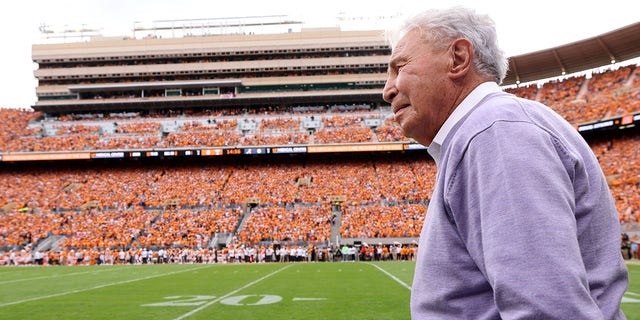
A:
(389, 92)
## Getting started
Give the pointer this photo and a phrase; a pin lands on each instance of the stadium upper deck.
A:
(317, 66)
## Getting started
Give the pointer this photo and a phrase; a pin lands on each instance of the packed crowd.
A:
(620, 161)
(184, 204)
(308, 223)
(578, 99)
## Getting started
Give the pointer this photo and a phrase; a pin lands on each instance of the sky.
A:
(522, 26)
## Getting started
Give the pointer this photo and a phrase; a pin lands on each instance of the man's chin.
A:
(405, 132)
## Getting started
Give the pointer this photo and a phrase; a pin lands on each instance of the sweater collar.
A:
(458, 113)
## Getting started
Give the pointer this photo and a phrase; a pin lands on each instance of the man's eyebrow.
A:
(394, 61)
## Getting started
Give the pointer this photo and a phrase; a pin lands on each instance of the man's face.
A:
(417, 86)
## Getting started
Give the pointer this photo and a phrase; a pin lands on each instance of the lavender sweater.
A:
(521, 223)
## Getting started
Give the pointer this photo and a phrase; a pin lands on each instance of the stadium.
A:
(240, 156)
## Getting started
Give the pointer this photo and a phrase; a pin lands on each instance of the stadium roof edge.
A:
(614, 46)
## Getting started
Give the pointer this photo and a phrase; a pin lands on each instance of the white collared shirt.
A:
(458, 113)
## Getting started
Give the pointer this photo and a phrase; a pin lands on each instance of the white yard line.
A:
(194, 311)
(57, 276)
(97, 287)
(392, 276)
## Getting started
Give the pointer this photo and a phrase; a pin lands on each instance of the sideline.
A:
(391, 276)
(99, 286)
(194, 311)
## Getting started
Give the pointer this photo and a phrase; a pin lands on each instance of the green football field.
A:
(349, 290)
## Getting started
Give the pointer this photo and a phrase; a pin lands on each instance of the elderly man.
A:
(521, 223)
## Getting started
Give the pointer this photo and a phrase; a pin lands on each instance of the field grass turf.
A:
(339, 290)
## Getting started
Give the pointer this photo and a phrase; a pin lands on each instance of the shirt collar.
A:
(458, 113)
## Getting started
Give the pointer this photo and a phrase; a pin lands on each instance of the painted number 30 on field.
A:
(242, 300)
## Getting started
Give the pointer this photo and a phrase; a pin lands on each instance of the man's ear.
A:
(461, 52)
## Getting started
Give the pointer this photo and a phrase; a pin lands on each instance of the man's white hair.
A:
(441, 26)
